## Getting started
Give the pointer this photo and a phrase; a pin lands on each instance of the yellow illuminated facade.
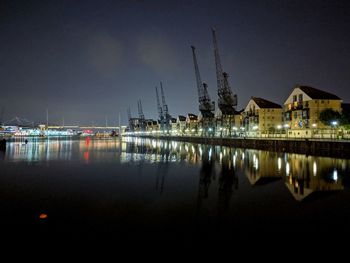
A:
(262, 116)
(303, 107)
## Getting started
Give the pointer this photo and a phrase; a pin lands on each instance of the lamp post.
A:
(286, 127)
(279, 128)
(334, 125)
(314, 126)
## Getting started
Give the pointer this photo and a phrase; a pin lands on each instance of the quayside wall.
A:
(340, 149)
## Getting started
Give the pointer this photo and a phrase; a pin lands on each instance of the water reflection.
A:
(228, 180)
(306, 175)
(206, 175)
(263, 167)
(220, 168)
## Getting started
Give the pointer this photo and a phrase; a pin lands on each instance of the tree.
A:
(327, 116)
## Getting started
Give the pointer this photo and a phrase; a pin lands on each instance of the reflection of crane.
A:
(206, 106)
(167, 117)
(205, 178)
(160, 111)
(227, 179)
(141, 115)
(163, 166)
(227, 101)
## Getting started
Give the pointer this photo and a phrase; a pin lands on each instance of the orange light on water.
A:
(43, 216)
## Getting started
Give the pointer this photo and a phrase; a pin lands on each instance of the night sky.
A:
(85, 60)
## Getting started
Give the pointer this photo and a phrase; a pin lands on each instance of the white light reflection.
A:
(335, 175)
(279, 163)
(287, 169)
(314, 168)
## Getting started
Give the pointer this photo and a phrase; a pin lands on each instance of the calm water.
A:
(142, 189)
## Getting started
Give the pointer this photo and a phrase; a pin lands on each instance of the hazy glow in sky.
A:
(85, 60)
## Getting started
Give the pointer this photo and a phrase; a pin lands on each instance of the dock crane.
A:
(167, 117)
(227, 101)
(160, 112)
(131, 124)
(206, 106)
(142, 123)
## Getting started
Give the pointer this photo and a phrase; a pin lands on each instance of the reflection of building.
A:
(305, 175)
(262, 167)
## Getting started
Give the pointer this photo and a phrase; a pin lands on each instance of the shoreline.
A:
(338, 149)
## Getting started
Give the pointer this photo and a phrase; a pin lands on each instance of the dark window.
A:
(300, 97)
(294, 98)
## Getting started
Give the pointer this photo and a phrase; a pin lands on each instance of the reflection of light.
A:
(220, 156)
(255, 162)
(210, 154)
(86, 156)
(200, 151)
(234, 160)
(279, 163)
(287, 169)
(87, 141)
(43, 216)
(335, 175)
(314, 168)
(193, 149)
(242, 156)
(224, 152)
(186, 148)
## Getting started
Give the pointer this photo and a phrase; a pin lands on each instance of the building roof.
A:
(191, 116)
(265, 104)
(182, 118)
(318, 94)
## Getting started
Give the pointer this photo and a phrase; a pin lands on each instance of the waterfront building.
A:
(191, 123)
(302, 112)
(181, 124)
(262, 117)
(229, 125)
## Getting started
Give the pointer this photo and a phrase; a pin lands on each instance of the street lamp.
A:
(334, 125)
(314, 126)
(286, 127)
(279, 127)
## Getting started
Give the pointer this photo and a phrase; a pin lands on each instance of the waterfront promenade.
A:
(318, 147)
